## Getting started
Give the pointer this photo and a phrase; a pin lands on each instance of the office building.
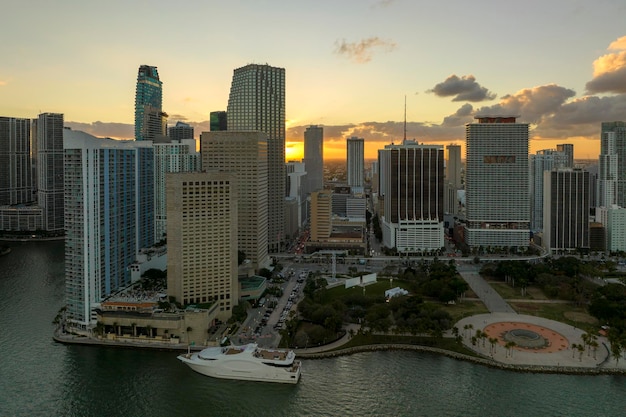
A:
(148, 98)
(49, 136)
(612, 165)
(16, 182)
(566, 210)
(314, 158)
(355, 148)
(202, 239)
(180, 131)
(496, 183)
(544, 160)
(175, 155)
(109, 204)
(414, 183)
(321, 214)
(257, 102)
(218, 121)
(244, 155)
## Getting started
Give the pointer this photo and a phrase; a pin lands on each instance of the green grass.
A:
(562, 312)
(375, 339)
(465, 309)
(507, 292)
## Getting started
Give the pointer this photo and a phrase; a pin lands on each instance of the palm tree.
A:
(574, 349)
(465, 330)
(581, 350)
(594, 346)
(494, 342)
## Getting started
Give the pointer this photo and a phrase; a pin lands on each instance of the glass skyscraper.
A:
(149, 94)
(257, 102)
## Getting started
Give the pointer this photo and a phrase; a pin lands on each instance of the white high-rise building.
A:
(314, 158)
(244, 155)
(257, 102)
(355, 162)
(170, 156)
(496, 183)
(108, 217)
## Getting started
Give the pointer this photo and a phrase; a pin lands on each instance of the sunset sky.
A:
(558, 64)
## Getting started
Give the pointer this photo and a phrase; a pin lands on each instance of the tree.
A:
(241, 256)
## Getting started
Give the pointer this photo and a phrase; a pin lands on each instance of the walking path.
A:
(492, 300)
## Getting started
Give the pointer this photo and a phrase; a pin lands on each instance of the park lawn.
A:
(509, 293)
(446, 343)
(465, 308)
(371, 290)
(563, 312)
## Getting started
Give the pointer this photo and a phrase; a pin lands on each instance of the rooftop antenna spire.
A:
(405, 118)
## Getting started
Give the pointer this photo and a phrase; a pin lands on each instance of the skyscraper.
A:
(109, 203)
(355, 161)
(543, 160)
(568, 150)
(50, 170)
(496, 183)
(453, 179)
(612, 165)
(149, 93)
(566, 210)
(16, 186)
(202, 239)
(244, 155)
(314, 158)
(257, 102)
(414, 183)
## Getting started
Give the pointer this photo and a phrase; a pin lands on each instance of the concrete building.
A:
(568, 150)
(414, 185)
(257, 102)
(496, 183)
(180, 131)
(314, 158)
(321, 214)
(202, 239)
(171, 155)
(49, 137)
(566, 210)
(355, 148)
(148, 98)
(244, 155)
(108, 217)
(16, 174)
(543, 160)
(614, 220)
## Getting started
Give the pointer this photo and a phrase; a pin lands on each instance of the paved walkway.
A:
(330, 346)
(518, 356)
(492, 300)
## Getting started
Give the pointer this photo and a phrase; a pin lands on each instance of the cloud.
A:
(105, 129)
(533, 105)
(609, 71)
(464, 88)
(462, 116)
(362, 51)
(3, 83)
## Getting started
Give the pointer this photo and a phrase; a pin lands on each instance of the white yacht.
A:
(247, 362)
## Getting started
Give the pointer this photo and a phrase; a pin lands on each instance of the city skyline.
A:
(564, 74)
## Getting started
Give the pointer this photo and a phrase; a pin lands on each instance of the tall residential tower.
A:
(148, 101)
(314, 158)
(496, 183)
(355, 148)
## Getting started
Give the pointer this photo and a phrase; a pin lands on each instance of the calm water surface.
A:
(39, 377)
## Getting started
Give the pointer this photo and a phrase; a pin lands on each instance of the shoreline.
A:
(544, 369)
